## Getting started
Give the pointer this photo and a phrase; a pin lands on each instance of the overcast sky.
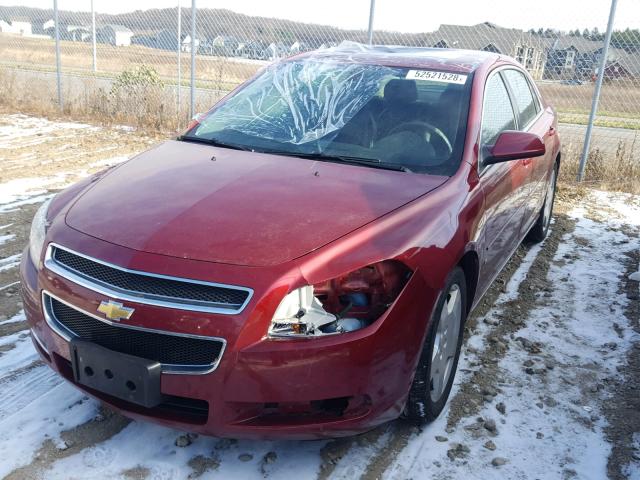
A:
(399, 15)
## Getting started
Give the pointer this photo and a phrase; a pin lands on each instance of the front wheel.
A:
(540, 229)
(439, 358)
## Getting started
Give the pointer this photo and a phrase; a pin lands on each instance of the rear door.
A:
(504, 184)
(531, 118)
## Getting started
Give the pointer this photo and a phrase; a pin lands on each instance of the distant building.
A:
(186, 44)
(528, 49)
(224, 46)
(578, 57)
(168, 40)
(298, 47)
(252, 50)
(78, 33)
(276, 51)
(114, 35)
(16, 27)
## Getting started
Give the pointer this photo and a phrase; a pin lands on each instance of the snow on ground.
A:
(553, 427)
(10, 262)
(552, 380)
(32, 130)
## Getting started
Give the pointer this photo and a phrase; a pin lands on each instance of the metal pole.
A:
(193, 59)
(596, 93)
(372, 10)
(58, 69)
(93, 38)
(179, 62)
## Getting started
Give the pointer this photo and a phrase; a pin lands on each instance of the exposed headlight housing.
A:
(39, 227)
(341, 305)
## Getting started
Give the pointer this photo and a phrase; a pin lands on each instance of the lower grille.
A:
(175, 352)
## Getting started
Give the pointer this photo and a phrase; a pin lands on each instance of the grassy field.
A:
(76, 57)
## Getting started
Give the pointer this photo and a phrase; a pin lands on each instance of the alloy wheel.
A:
(446, 342)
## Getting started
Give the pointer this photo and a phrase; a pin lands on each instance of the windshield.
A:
(412, 119)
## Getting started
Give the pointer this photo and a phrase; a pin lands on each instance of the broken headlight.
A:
(344, 304)
(39, 226)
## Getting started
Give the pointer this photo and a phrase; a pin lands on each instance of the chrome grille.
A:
(144, 287)
(177, 353)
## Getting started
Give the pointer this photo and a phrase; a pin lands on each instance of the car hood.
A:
(220, 205)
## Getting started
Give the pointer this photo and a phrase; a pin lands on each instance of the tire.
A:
(540, 229)
(428, 397)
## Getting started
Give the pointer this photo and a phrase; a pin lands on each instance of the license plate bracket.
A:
(130, 378)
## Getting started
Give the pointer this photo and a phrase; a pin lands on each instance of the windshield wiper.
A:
(213, 142)
(368, 162)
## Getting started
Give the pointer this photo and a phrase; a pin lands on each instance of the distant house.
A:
(252, 50)
(145, 39)
(78, 33)
(116, 35)
(298, 47)
(224, 46)
(276, 51)
(624, 66)
(168, 40)
(526, 48)
(186, 44)
(16, 27)
(578, 57)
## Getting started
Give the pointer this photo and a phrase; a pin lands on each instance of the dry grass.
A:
(150, 107)
(216, 72)
(618, 99)
(619, 171)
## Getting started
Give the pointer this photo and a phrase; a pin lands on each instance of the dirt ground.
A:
(548, 383)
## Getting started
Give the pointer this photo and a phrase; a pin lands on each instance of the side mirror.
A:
(514, 145)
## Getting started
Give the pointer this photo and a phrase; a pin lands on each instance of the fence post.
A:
(93, 38)
(372, 10)
(58, 69)
(596, 93)
(193, 59)
(179, 63)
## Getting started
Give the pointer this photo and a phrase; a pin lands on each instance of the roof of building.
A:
(117, 28)
(478, 37)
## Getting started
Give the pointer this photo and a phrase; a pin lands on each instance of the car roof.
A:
(448, 59)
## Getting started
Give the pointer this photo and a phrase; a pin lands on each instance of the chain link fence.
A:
(136, 67)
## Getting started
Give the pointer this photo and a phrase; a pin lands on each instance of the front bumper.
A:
(262, 388)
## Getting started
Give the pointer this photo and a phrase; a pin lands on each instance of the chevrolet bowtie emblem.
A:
(115, 311)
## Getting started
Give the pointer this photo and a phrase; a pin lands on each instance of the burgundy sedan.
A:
(301, 261)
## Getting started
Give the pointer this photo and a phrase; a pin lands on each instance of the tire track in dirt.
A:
(622, 410)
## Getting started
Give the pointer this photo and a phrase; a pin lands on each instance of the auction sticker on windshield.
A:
(444, 77)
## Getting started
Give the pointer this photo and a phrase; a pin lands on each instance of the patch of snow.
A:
(635, 276)
(21, 434)
(18, 317)
(4, 287)
(24, 126)
(6, 238)
(10, 262)
(155, 449)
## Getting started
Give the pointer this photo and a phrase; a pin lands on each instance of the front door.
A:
(504, 185)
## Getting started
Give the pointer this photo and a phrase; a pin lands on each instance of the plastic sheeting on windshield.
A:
(299, 101)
